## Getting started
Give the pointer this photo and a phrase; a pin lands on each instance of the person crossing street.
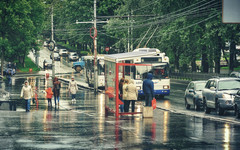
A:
(73, 89)
(26, 93)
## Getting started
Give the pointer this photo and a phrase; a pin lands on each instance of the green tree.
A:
(21, 22)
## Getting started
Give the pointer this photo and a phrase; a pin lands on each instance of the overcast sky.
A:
(231, 11)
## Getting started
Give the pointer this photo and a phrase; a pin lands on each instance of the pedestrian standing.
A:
(73, 88)
(121, 93)
(56, 90)
(49, 95)
(125, 86)
(132, 95)
(26, 93)
(9, 76)
(148, 89)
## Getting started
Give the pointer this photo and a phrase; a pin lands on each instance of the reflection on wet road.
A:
(84, 125)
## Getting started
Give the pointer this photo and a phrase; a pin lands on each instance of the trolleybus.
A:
(147, 60)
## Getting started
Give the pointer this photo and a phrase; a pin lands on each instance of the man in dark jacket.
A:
(148, 89)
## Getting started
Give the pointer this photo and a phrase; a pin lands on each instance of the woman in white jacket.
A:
(132, 95)
(26, 93)
(73, 88)
(124, 96)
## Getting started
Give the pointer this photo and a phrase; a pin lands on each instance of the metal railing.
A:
(195, 75)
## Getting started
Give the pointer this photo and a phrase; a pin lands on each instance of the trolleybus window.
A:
(101, 67)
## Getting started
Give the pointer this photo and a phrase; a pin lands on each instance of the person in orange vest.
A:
(49, 96)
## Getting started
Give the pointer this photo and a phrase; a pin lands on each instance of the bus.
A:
(147, 60)
(89, 70)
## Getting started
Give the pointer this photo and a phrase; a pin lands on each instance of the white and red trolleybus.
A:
(135, 65)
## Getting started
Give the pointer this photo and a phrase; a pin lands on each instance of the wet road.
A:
(84, 125)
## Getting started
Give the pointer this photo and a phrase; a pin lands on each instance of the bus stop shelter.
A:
(114, 71)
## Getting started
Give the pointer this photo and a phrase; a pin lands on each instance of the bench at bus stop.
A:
(8, 105)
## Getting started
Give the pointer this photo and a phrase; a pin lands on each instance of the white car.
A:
(56, 57)
(56, 50)
(47, 64)
(73, 56)
(63, 52)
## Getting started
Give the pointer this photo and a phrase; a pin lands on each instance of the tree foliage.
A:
(186, 30)
(21, 23)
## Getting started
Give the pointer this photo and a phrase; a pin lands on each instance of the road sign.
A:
(107, 49)
(51, 45)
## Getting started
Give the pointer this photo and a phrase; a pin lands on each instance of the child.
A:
(49, 96)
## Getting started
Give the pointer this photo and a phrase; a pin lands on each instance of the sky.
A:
(231, 11)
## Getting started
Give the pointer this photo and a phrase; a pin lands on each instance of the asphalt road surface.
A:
(85, 125)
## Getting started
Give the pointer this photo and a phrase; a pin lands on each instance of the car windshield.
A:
(229, 85)
(200, 86)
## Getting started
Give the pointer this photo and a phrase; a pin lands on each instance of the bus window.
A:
(141, 71)
(101, 69)
(160, 72)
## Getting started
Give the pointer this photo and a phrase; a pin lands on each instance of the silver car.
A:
(63, 52)
(219, 94)
(193, 94)
(237, 104)
(73, 56)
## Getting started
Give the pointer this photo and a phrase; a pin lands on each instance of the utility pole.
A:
(95, 49)
(131, 31)
(52, 39)
(128, 35)
(94, 22)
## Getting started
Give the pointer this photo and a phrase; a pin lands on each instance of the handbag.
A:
(154, 103)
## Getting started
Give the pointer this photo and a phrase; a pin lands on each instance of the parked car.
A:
(63, 52)
(237, 104)
(219, 94)
(193, 94)
(235, 74)
(47, 64)
(73, 56)
(45, 43)
(56, 50)
(56, 57)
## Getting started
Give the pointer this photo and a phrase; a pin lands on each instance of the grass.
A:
(28, 64)
(236, 69)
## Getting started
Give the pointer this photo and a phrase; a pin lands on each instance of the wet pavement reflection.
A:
(84, 125)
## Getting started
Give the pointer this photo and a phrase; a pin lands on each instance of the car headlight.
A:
(227, 96)
(166, 87)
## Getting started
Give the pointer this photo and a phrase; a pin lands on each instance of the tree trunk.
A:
(232, 52)
(225, 57)
(217, 58)
(193, 64)
(2, 60)
(204, 64)
(176, 62)
(210, 61)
